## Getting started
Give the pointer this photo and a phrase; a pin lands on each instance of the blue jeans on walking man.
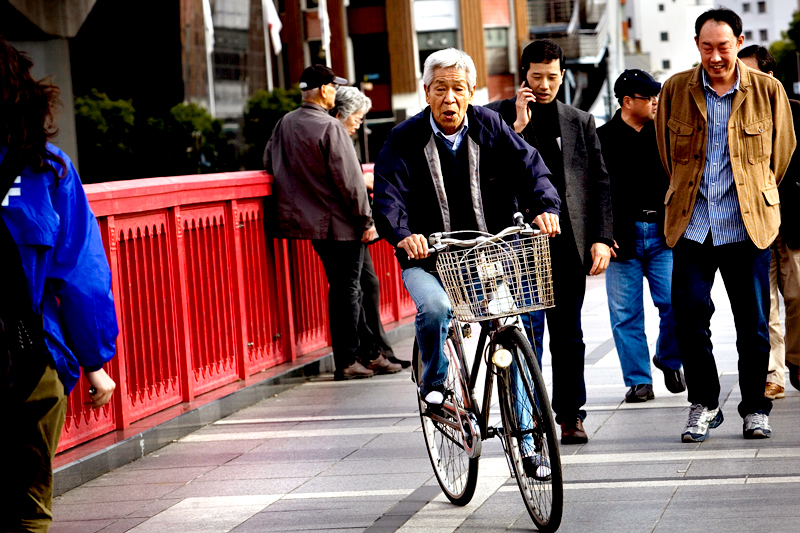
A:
(652, 260)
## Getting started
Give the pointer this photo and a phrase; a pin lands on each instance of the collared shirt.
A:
(716, 207)
(452, 141)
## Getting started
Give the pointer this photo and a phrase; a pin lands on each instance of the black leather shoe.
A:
(673, 379)
(794, 379)
(402, 362)
(573, 432)
(640, 393)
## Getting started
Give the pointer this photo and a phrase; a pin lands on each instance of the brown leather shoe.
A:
(573, 432)
(381, 365)
(354, 371)
(773, 391)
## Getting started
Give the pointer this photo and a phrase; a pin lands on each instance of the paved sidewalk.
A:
(349, 456)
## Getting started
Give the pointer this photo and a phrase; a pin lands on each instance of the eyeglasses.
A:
(653, 98)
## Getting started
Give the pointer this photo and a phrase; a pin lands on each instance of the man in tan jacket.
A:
(725, 137)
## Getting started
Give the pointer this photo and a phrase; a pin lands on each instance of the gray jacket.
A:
(587, 185)
(318, 184)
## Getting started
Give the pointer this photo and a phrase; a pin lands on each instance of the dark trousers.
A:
(343, 262)
(745, 272)
(566, 335)
(34, 428)
(372, 331)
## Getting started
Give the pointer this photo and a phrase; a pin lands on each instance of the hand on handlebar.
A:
(548, 223)
(416, 246)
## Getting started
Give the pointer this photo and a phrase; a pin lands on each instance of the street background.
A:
(349, 457)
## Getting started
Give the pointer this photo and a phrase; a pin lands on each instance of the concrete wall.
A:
(51, 58)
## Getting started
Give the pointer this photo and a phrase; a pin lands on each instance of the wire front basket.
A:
(497, 279)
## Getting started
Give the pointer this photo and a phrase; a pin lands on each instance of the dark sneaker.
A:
(794, 378)
(354, 371)
(573, 432)
(640, 393)
(673, 379)
(381, 365)
(701, 419)
(537, 467)
(756, 426)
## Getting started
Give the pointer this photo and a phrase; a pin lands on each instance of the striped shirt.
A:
(716, 207)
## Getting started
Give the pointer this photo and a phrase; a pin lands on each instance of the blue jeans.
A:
(434, 314)
(625, 289)
(745, 272)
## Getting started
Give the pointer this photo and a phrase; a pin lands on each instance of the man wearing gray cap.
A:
(638, 185)
(320, 195)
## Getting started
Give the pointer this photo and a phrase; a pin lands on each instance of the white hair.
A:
(449, 58)
(350, 100)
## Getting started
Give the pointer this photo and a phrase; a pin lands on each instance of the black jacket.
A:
(789, 190)
(638, 179)
(408, 199)
(586, 181)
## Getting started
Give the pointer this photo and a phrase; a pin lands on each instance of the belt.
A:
(647, 215)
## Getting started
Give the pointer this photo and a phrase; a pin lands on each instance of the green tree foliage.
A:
(114, 144)
(785, 54)
(264, 110)
(105, 130)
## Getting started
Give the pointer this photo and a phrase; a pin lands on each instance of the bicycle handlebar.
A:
(441, 240)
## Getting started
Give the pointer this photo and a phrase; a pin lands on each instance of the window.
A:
(661, 7)
(746, 7)
(665, 64)
(763, 35)
(762, 7)
(664, 36)
(748, 35)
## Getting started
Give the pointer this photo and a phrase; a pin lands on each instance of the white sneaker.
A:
(701, 419)
(756, 426)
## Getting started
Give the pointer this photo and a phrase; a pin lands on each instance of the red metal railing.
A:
(204, 295)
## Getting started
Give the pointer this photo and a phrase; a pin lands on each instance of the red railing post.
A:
(182, 309)
(237, 286)
(285, 296)
(119, 369)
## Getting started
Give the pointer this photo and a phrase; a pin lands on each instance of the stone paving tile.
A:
(346, 516)
(390, 465)
(158, 461)
(155, 507)
(125, 524)
(267, 471)
(293, 456)
(739, 467)
(91, 511)
(237, 487)
(128, 493)
(364, 482)
(140, 476)
(623, 471)
(81, 526)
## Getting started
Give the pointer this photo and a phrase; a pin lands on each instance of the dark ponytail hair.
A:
(26, 113)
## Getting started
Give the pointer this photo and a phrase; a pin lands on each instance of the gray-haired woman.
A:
(350, 108)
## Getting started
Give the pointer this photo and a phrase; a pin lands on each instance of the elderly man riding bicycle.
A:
(452, 167)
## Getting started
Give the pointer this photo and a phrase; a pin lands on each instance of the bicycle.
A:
(492, 281)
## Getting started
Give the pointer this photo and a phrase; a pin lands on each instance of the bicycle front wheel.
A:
(528, 431)
(456, 471)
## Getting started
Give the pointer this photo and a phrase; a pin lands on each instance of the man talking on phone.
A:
(566, 139)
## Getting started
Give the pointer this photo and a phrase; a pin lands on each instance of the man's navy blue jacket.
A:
(511, 175)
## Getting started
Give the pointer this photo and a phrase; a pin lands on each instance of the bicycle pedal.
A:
(492, 432)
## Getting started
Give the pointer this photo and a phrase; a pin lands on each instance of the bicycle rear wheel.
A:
(528, 430)
(456, 471)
